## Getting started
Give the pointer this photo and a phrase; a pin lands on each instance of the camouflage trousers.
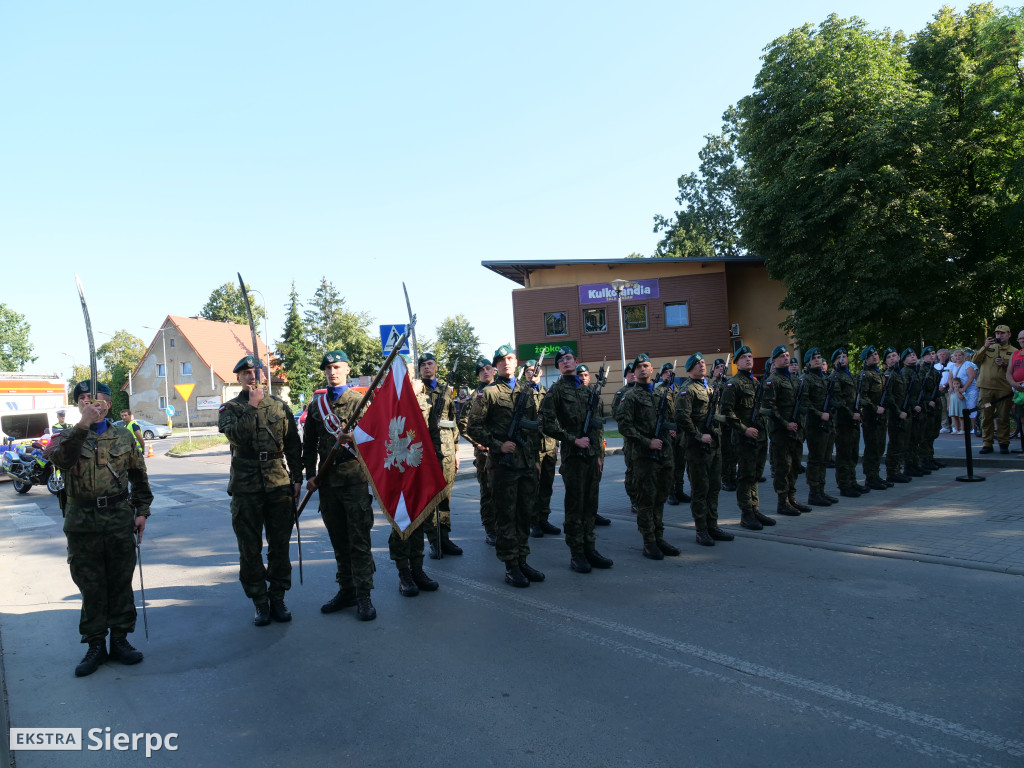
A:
(546, 486)
(102, 565)
(630, 481)
(787, 450)
(679, 466)
(444, 507)
(348, 517)
(652, 482)
(729, 459)
(874, 445)
(251, 514)
(896, 450)
(582, 479)
(818, 443)
(515, 492)
(933, 426)
(750, 465)
(847, 448)
(483, 477)
(705, 470)
(915, 440)
(995, 421)
(409, 552)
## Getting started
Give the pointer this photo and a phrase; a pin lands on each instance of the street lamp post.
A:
(266, 341)
(618, 285)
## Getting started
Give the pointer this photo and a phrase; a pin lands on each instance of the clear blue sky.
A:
(159, 148)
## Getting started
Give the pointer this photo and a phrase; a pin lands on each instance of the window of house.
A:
(556, 324)
(677, 315)
(172, 342)
(162, 403)
(186, 369)
(634, 317)
(595, 320)
(161, 370)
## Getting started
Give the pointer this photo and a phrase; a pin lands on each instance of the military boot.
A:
(262, 617)
(672, 498)
(729, 487)
(448, 546)
(798, 506)
(704, 539)
(876, 484)
(279, 611)
(364, 607)
(345, 598)
(896, 478)
(96, 655)
(530, 572)
(667, 549)
(850, 493)
(783, 508)
(548, 528)
(596, 559)
(815, 498)
(747, 520)
(862, 488)
(424, 582)
(121, 650)
(536, 531)
(579, 563)
(718, 534)
(682, 495)
(652, 552)
(911, 470)
(601, 520)
(764, 519)
(831, 498)
(406, 586)
(514, 576)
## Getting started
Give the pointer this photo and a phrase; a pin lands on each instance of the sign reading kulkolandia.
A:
(635, 290)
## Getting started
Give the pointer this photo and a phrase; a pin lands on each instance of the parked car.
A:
(149, 429)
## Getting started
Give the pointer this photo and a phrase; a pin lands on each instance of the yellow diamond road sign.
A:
(184, 390)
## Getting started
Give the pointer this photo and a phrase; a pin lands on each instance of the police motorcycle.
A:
(26, 466)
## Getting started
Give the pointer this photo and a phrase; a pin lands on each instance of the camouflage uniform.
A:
(899, 431)
(737, 413)
(106, 488)
(439, 399)
(483, 478)
(514, 482)
(780, 400)
(873, 424)
(630, 481)
(261, 490)
(703, 462)
(653, 476)
(548, 464)
(818, 432)
(344, 497)
(562, 414)
(847, 430)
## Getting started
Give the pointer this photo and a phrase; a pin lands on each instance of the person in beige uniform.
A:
(995, 395)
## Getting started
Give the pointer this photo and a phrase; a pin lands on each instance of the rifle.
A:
(435, 418)
(256, 354)
(709, 420)
(593, 402)
(906, 399)
(518, 408)
(885, 393)
(755, 412)
(328, 460)
(827, 407)
(660, 423)
(924, 376)
(796, 406)
(856, 402)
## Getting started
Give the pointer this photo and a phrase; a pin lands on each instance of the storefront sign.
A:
(635, 290)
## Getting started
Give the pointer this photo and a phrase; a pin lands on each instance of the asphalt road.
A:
(751, 653)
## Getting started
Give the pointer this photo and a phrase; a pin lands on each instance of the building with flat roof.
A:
(671, 308)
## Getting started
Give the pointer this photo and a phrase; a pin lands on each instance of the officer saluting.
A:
(263, 435)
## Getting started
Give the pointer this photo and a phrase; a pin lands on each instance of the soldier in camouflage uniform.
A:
(914, 374)
(485, 375)
(539, 524)
(719, 376)
(676, 493)
(630, 377)
(444, 434)
(650, 453)
(781, 399)
(934, 412)
(848, 420)
(899, 432)
(873, 418)
(344, 497)
(703, 449)
(262, 433)
(818, 427)
(749, 437)
(563, 413)
(105, 501)
(513, 463)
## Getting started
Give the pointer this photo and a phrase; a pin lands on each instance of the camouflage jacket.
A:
(780, 401)
(692, 405)
(897, 391)
(871, 393)
(563, 412)
(737, 407)
(844, 397)
(444, 429)
(97, 467)
(638, 416)
(317, 442)
(491, 417)
(816, 390)
(258, 437)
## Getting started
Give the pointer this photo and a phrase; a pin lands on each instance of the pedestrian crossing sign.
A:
(389, 336)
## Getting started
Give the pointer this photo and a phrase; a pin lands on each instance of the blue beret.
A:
(907, 351)
(839, 351)
(926, 350)
(889, 351)
(581, 368)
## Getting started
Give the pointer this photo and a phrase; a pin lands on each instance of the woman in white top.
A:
(963, 390)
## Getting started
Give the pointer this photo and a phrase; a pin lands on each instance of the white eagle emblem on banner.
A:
(401, 450)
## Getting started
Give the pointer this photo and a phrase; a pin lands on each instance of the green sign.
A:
(533, 351)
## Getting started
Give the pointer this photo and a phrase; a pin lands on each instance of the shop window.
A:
(634, 317)
(556, 324)
(677, 315)
(595, 320)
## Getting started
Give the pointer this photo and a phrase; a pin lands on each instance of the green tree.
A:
(294, 353)
(226, 304)
(708, 225)
(15, 348)
(331, 326)
(457, 344)
(123, 348)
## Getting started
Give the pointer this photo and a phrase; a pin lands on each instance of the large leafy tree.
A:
(331, 325)
(226, 304)
(15, 348)
(457, 344)
(119, 356)
(294, 353)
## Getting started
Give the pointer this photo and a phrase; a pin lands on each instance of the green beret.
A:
(719, 361)
(581, 368)
(85, 388)
(641, 358)
(867, 352)
(779, 350)
(839, 351)
(693, 359)
(667, 367)
(334, 356)
(562, 352)
(926, 350)
(889, 351)
(744, 350)
(905, 352)
(503, 351)
(630, 367)
(811, 353)
(246, 363)
(424, 357)
(530, 363)
(482, 363)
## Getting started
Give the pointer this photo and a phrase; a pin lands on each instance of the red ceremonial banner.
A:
(394, 446)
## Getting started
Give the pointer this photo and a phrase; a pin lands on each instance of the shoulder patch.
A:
(728, 384)
(222, 408)
(480, 395)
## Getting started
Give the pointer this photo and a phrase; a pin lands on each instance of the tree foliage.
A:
(124, 348)
(15, 348)
(294, 352)
(457, 344)
(226, 304)
(331, 326)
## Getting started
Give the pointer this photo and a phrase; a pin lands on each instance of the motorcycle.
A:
(27, 466)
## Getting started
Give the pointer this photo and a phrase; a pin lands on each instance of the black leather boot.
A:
(514, 576)
(763, 519)
(96, 655)
(344, 599)
(597, 560)
(121, 650)
(424, 582)
(279, 611)
(364, 607)
(406, 586)
(747, 520)
(262, 617)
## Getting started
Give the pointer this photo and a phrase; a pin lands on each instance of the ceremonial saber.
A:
(142, 584)
(92, 344)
